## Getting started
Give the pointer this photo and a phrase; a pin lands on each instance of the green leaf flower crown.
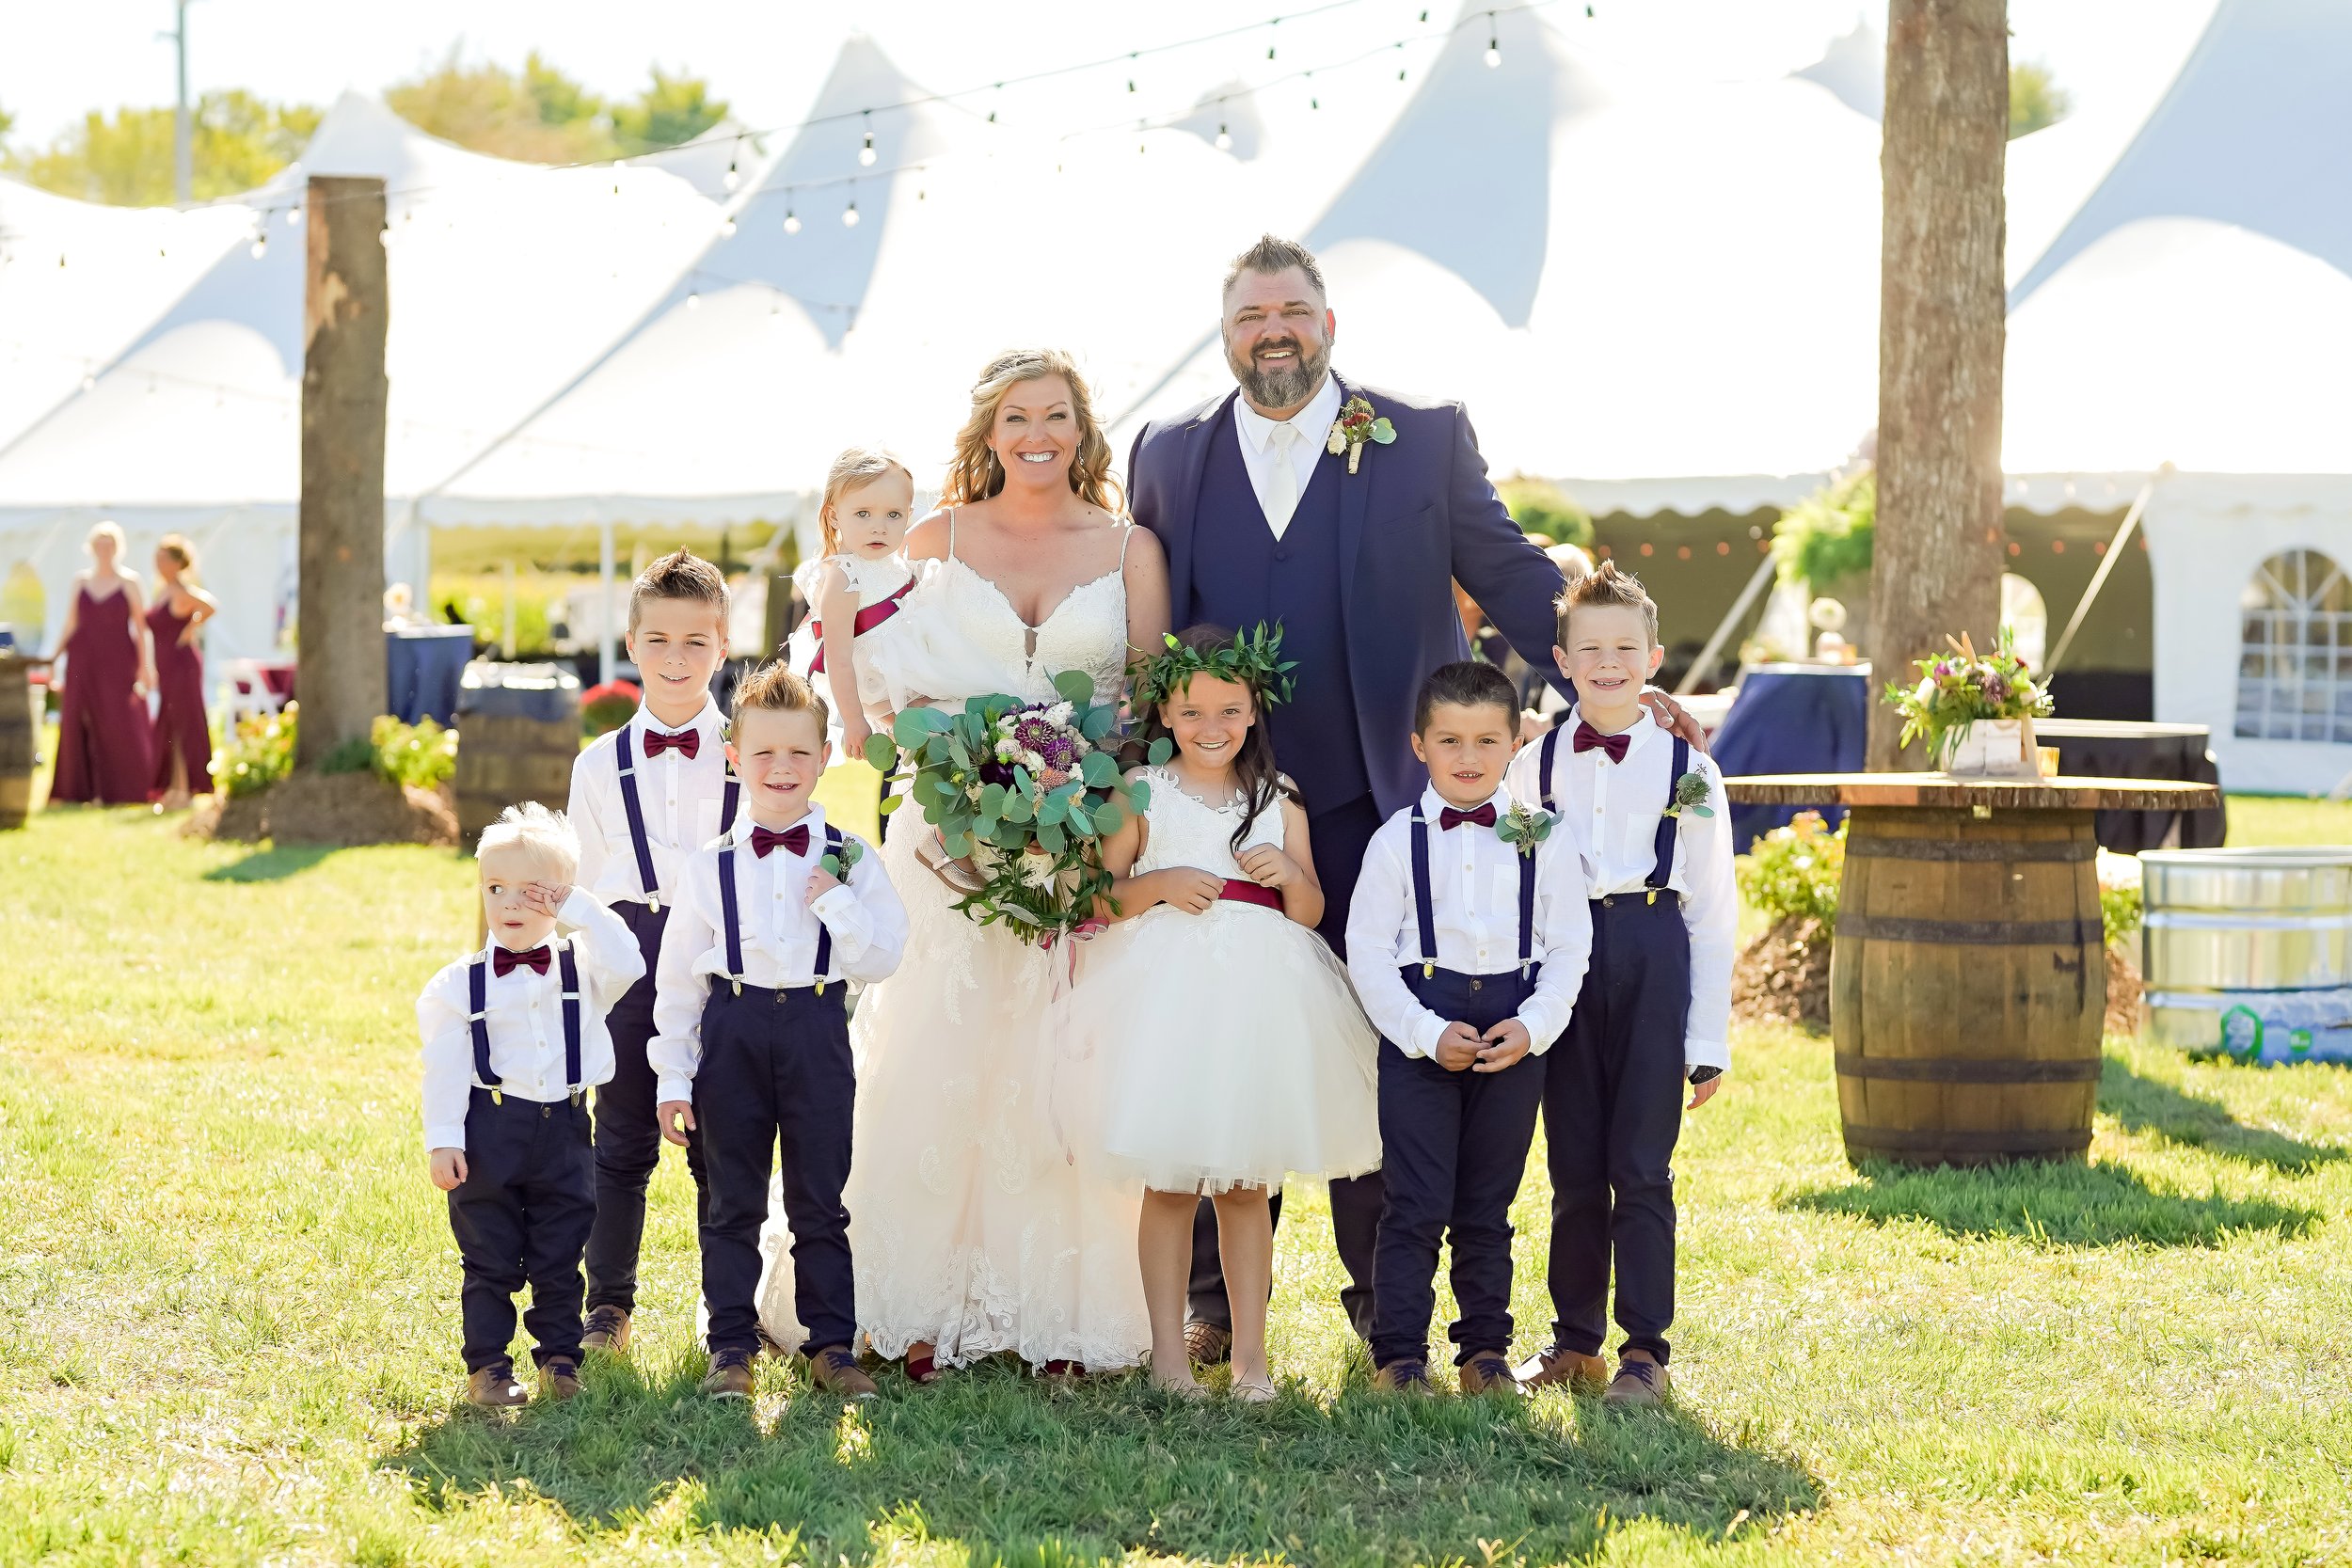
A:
(1253, 659)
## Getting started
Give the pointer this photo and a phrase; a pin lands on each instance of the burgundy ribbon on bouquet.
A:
(868, 617)
(1252, 892)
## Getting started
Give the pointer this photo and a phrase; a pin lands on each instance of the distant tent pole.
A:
(2106, 564)
(1722, 631)
(604, 610)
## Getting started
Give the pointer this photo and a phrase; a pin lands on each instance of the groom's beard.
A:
(1285, 384)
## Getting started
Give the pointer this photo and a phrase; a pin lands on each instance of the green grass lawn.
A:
(228, 1329)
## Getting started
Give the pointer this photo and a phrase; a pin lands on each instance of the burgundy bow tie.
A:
(689, 741)
(794, 839)
(504, 959)
(1589, 740)
(1485, 817)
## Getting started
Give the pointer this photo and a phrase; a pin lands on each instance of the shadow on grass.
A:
(1014, 1470)
(274, 864)
(2057, 1204)
(2145, 1105)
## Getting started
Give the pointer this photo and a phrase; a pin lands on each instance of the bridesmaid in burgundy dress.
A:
(105, 749)
(183, 737)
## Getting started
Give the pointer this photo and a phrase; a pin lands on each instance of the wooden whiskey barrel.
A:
(517, 737)
(20, 740)
(1967, 984)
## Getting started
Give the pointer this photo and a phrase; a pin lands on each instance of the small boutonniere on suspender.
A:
(836, 862)
(1355, 425)
(1523, 826)
(1690, 794)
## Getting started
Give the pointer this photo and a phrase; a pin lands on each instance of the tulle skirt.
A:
(1228, 1050)
(971, 1225)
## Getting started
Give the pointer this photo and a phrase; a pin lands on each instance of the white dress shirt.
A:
(1612, 808)
(526, 1020)
(778, 929)
(1475, 907)
(1312, 427)
(680, 800)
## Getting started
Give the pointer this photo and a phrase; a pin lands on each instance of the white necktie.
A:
(1282, 481)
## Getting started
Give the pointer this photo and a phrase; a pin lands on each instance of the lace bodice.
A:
(1086, 630)
(872, 580)
(1183, 832)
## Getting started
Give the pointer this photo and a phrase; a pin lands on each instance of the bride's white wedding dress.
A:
(970, 1227)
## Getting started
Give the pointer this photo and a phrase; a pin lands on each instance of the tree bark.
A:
(340, 633)
(1936, 568)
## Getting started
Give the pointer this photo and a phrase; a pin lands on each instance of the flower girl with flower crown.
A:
(1228, 1047)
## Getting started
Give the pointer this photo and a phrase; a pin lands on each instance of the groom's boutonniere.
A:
(1355, 425)
(1690, 794)
(836, 862)
(1523, 828)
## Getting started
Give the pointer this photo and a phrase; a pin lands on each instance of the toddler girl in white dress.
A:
(1228, 1047)
(858, 593)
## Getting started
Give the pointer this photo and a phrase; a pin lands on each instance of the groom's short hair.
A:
(1274, 254)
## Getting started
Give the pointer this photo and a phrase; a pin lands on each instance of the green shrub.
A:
(1539, 506)
(1795, 870)
(1828, 536)
(2119, 895)
(423, 755)
(259, 754)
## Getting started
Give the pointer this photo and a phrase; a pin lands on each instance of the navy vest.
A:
(1242, 574)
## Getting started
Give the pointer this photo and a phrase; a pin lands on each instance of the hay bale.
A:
(1782, 976)
(2123, 991)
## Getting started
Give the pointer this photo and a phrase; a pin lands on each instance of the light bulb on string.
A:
(865, 153)
(791, 221)
(726, 225)
(89, 383)
(1313, 101)
(1494, 55)
(1224, 138)
(849, 214)
(733, 176)
(260, 247)
(294, 217)
(693, 299)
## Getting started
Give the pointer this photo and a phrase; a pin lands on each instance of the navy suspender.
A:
(636, 811)
(733, 920)
(1422, 908)
(1425, 906)
(1662, 855)
(478, 1021)
(636, 819)
(1544, 759)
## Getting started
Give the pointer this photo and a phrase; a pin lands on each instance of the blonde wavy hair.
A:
(976, 474)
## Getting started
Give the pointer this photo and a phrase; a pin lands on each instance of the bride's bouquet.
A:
(1025, 791)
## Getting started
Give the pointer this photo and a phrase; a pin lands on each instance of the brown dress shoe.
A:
(1402, 1377)
(1488, 1372)
(730, 1375)
(559, 1379)
(607, 1329)
(1207, 1344)
(836, 1372)
(1638, 1384)
(495, 1387)
(1582, 1373)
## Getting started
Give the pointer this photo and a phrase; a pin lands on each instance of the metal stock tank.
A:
(2248, 952)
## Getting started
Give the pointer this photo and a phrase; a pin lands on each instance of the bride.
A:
(972, 1230)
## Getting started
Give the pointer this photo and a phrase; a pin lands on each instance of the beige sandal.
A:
(1254, 1393)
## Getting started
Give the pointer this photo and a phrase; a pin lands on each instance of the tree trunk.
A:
(1942, 321)
(340, 633)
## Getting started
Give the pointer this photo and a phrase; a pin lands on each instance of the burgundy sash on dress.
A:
(868, 617)
(1252, 892)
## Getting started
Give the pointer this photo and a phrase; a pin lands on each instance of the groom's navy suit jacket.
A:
(1417, 515)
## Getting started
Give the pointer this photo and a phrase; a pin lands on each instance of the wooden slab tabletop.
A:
(1942, 790)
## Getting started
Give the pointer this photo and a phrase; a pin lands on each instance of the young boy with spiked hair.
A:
(1654, 1014)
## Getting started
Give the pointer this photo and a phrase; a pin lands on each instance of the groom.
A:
(1260, 523)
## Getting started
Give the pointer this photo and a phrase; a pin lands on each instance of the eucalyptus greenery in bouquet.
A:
(1026, 791)
(1957, 689)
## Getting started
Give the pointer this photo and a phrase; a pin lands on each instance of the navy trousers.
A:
(522, 1217)
(1340, 836)
(629, 1135)
(1454, 1149)
(1613, 1109)
(776, 1071)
